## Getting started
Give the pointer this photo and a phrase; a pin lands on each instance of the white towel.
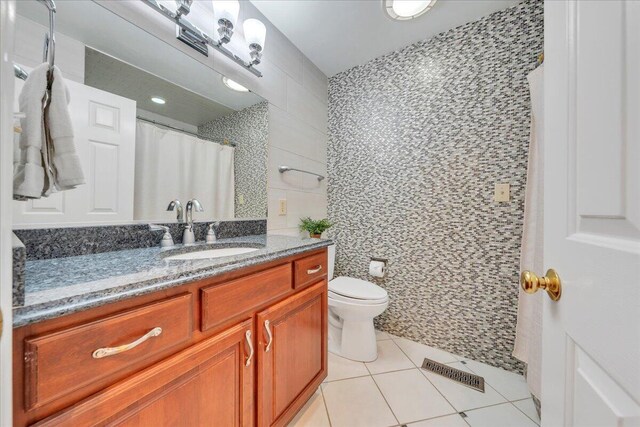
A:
(528, 345)
(46, 160)
(65, 163)
(28, 171)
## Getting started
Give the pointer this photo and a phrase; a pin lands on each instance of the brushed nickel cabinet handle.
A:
(314, 270)
(247, 335)
(110, 351)
(267, 326)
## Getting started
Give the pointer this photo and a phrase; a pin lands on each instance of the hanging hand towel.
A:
(28, 170)
(528, 345)
(66, 167)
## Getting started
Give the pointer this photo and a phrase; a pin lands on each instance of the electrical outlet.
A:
(501, 193)
(283, 207)
(241, 199)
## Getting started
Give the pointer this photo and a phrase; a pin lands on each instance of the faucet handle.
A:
(167, 240)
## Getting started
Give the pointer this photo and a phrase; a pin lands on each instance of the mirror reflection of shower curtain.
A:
(172, 165)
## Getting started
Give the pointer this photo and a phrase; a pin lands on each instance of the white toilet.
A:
(353, 303)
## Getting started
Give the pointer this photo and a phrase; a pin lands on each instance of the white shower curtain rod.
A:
(224, 142)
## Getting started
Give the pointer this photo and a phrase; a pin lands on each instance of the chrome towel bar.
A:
(283, 169)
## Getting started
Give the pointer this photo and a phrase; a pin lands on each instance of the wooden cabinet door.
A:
(209, 384)
(292, 353)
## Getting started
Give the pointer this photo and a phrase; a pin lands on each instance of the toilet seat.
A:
(337, 297)
(351, 290)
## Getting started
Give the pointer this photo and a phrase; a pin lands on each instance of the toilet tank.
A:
(332, 260)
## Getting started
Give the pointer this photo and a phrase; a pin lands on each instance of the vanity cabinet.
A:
(211, 383)
(246, 348)
(292, 352)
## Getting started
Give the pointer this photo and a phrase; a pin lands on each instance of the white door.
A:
(591, 336)
(104, 127)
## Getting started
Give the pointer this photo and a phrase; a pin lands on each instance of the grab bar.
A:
(283, 169)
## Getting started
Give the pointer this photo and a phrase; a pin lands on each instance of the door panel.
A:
(204, 385)
(296, 360)
(591, 336)
(297, 352)
(104, 136)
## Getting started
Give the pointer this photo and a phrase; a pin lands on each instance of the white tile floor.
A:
(393, 391)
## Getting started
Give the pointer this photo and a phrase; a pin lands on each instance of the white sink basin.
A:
(211, 253)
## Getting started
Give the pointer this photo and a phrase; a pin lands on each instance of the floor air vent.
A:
(473, 381)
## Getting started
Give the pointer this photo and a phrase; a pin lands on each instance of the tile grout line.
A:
(488, 406)
(525, 414)
(372, 375)
(324, 402)
(348, 378)
(385, 401)
(381, 394)
(447, 400)
(494, 388)
(476, 373)
(432, 384)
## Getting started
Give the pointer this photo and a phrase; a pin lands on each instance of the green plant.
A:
(314, 227)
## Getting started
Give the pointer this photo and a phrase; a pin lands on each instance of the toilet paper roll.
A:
(376, 268)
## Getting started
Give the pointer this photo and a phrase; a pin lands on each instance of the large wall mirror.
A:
(151, 125)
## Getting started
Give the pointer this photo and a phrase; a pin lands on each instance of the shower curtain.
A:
(172, 165)
(528, 345)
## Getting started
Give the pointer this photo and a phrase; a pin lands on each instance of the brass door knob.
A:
(551, 283)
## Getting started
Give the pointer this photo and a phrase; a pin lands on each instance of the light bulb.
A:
(254, 32)
(407, 9)
(227, 10)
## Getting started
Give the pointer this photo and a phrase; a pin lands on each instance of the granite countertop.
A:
(60, 286)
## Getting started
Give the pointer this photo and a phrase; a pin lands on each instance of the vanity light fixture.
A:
(158, 100)
(234, 85)
(225, 13)
(404, 10)
(254, 33)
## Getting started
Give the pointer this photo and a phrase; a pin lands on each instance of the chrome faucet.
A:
(188, 236)
(175, 204)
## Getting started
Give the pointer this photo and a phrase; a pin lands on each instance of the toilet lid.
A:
(357, 289)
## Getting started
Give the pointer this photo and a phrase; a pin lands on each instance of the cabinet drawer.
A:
(227, 303)
(61, 362)
(308, 270)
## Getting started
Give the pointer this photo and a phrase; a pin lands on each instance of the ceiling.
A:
(338, 35)
(107, 73)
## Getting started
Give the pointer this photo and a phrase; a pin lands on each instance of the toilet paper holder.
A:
(377, 267)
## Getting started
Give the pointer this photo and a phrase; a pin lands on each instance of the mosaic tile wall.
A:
(249, 129)
(417, 140)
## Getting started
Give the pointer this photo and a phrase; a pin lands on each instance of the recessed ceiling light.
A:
(158, 100)
(233, 85)
(403, 10)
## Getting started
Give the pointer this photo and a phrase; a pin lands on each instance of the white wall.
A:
(29, 44)
(297, 94)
